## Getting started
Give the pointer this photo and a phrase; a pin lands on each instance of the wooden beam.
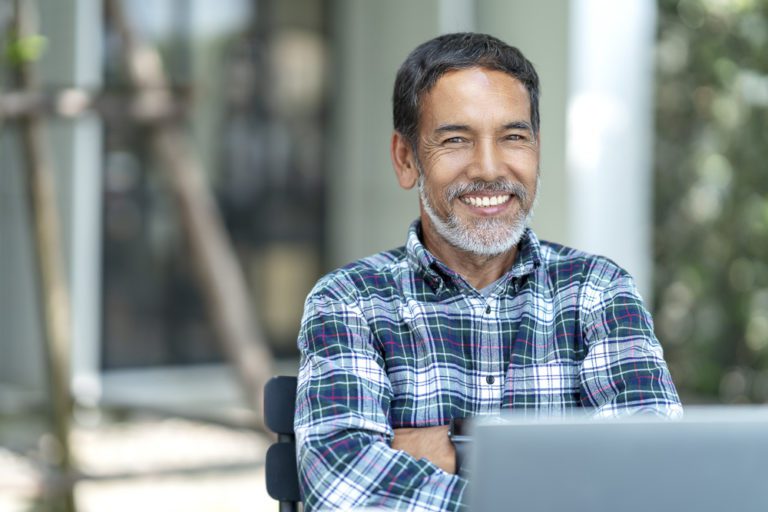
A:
(73, 103)
(52, 282)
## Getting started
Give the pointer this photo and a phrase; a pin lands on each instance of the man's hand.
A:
(430, 443)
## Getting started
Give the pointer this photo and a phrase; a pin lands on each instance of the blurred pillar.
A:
(21, 339)
(71, 59)
(610, 132)
(74, 30)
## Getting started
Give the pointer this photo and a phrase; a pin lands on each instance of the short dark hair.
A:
(432, 59)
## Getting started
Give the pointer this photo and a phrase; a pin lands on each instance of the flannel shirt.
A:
(400, 340)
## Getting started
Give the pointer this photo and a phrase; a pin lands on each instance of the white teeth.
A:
(485, 201)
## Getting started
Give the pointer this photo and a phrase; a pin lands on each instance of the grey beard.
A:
(487, 237)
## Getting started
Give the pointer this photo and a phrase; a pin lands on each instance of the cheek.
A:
(444, 171)
(522, 153)
(435, 187)
(525, 164)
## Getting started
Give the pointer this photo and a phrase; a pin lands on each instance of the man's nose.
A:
(487, 162)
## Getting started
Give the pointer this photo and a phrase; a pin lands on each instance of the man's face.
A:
(478, 160)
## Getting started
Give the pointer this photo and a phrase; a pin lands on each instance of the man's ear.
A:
(404, 161)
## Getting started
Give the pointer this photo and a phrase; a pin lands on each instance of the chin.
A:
(493, 247)
(483, 241)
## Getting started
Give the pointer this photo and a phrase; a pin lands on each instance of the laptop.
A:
(715, 459)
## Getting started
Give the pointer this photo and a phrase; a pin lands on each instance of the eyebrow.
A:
(514, 125)
(452, 128)
(518, 125)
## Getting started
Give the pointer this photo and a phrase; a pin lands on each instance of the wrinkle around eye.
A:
(523, 142)
(433, 151)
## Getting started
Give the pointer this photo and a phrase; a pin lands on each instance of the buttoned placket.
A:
(497, 374)
(490, 378)
(492, 365)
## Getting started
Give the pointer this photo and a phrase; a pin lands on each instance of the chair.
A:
(282, 474)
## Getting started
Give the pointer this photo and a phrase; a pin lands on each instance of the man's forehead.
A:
(478, 75)
(467, 92)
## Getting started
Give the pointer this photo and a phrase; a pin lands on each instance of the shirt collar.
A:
(439, 276)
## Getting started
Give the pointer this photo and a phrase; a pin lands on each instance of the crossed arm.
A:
(349, 455)
(429, 443)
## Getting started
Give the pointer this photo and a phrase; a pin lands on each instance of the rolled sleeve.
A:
(624, 371)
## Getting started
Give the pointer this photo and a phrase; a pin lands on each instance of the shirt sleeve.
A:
(343, 434)
(624, 371)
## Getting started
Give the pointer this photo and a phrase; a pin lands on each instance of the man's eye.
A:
(454, 140)
(515, 137)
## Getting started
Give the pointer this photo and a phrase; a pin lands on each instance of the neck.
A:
(478, 270)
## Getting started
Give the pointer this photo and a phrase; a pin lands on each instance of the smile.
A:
(485, 201)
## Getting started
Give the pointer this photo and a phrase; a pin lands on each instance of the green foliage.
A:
(711, 197)
(21, 50)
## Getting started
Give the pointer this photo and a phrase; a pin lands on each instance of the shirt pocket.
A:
(550, 388)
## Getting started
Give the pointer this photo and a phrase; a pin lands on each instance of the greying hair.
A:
(432, 59)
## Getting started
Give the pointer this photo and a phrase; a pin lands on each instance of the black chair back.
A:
(282, 474)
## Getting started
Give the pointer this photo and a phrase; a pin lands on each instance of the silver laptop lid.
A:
(715, 459)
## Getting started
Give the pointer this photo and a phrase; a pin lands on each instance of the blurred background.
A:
(257, 132)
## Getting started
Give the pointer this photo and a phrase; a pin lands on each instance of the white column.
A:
(21, 363)
(610, 128)
(71, 59)
(74, 59)
(457, 16)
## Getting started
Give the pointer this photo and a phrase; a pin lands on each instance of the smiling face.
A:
(477, 162)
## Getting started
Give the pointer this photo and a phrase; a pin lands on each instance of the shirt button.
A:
(490, 379)
(487, 309)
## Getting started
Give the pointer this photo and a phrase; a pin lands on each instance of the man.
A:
(473, 314)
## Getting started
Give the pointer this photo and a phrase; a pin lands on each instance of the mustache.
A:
(501, 185)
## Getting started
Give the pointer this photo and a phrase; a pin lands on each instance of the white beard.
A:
(487, 237)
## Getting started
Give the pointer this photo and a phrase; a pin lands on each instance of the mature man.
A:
(474, 314)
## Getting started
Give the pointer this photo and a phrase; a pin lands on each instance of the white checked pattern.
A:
(399, 340)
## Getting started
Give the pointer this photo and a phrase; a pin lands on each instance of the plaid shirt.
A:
(400, 340)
